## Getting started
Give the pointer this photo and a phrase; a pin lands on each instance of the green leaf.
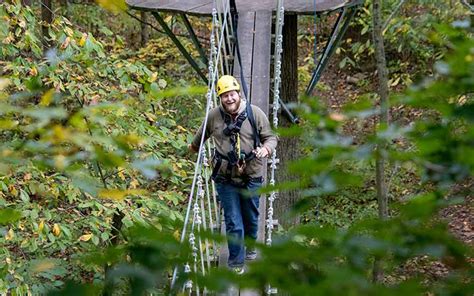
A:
(9, 215)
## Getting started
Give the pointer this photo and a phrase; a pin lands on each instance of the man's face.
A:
(231, 101)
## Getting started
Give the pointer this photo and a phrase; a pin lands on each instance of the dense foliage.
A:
(87, 138)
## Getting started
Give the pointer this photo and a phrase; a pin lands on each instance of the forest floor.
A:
(340, 86)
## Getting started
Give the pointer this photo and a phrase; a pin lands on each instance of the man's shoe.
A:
(238, 270)
(251, 254)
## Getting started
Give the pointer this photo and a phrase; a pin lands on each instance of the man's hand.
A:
(261, 152)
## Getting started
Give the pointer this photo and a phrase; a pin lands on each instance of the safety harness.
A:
(236, 157)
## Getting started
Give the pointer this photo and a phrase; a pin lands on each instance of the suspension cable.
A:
(213, 72)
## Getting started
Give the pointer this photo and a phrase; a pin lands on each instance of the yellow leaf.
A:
(395, 82)
(168, 18)
(33, 71)
(4, 83)
(47, 98)
(85, 237)
(153, 77)
(42, 266)
(176, 235)
(133, 139)
(120, 174)
(113, 5)
(7, 124)
(181, 128)
(150, 117)
(83, 39)
(13, 190)
(60, 133)
(10, 234)
(40, 227)
(56, 229)
(118, 194)
(69, 31)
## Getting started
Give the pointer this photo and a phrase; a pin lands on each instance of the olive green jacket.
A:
(215, 128)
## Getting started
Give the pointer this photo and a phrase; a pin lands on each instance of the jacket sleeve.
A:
(197, 137)
(267, 138)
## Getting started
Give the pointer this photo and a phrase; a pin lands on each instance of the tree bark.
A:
(383, 92)
(47, 17)
(288, 148)
(144, 33)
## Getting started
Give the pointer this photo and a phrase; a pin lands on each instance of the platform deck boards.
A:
(254, 33)
(204, 7)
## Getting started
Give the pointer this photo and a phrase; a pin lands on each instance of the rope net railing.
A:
(276, 107)
(202, 212)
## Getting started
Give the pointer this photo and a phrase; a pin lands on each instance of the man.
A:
(243, 139)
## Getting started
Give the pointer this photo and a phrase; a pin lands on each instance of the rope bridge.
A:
(203, 213)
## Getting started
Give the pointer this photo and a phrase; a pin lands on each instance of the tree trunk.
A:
(144, 33)
(382, 90)
(47, 17)
(288, 148)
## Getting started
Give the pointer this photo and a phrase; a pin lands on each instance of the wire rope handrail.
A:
(199, 195)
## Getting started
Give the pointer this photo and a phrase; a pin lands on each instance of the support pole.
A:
(195, 40)
(179, 45)
(345, 16)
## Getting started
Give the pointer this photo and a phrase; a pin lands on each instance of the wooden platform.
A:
(204, 7)
(254, 33)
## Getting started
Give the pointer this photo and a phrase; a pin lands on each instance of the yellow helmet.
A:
(227, 83)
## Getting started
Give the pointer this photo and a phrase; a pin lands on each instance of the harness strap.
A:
(231, 161)
(243, 183)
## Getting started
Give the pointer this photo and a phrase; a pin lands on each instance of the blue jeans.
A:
(240, 204)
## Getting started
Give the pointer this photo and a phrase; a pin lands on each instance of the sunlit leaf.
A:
(118, 194)
(56, 229)
(85, 237)
(47, 98)
(113, 5)
(42, 265)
